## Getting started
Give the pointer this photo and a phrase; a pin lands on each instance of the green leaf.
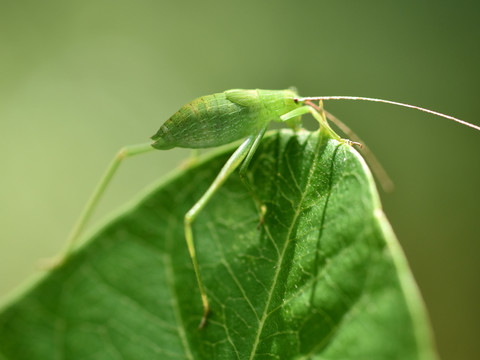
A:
(323, 276)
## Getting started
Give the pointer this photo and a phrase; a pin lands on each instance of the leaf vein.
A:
(280, 260)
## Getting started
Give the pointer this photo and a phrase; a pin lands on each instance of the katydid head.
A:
(291, 104)
(279, 102)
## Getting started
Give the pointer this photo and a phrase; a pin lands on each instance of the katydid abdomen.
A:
(222, 118)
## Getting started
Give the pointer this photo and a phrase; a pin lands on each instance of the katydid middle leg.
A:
(243, 173)
(233, 162)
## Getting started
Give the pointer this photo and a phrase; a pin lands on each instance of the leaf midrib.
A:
(280, 260)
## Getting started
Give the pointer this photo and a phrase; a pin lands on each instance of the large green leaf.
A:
(322, 278)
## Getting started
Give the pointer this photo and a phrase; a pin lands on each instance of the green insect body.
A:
(225, 117)
(219, 119)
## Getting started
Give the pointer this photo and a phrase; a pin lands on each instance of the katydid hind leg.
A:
(122, 154)
(233, 162)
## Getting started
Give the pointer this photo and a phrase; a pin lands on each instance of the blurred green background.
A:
(79, 79)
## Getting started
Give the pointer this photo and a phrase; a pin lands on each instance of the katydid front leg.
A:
(308, 109)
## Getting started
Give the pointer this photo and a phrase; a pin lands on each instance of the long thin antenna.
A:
(392, 103)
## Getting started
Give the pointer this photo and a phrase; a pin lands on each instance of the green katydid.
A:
(219, 119)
